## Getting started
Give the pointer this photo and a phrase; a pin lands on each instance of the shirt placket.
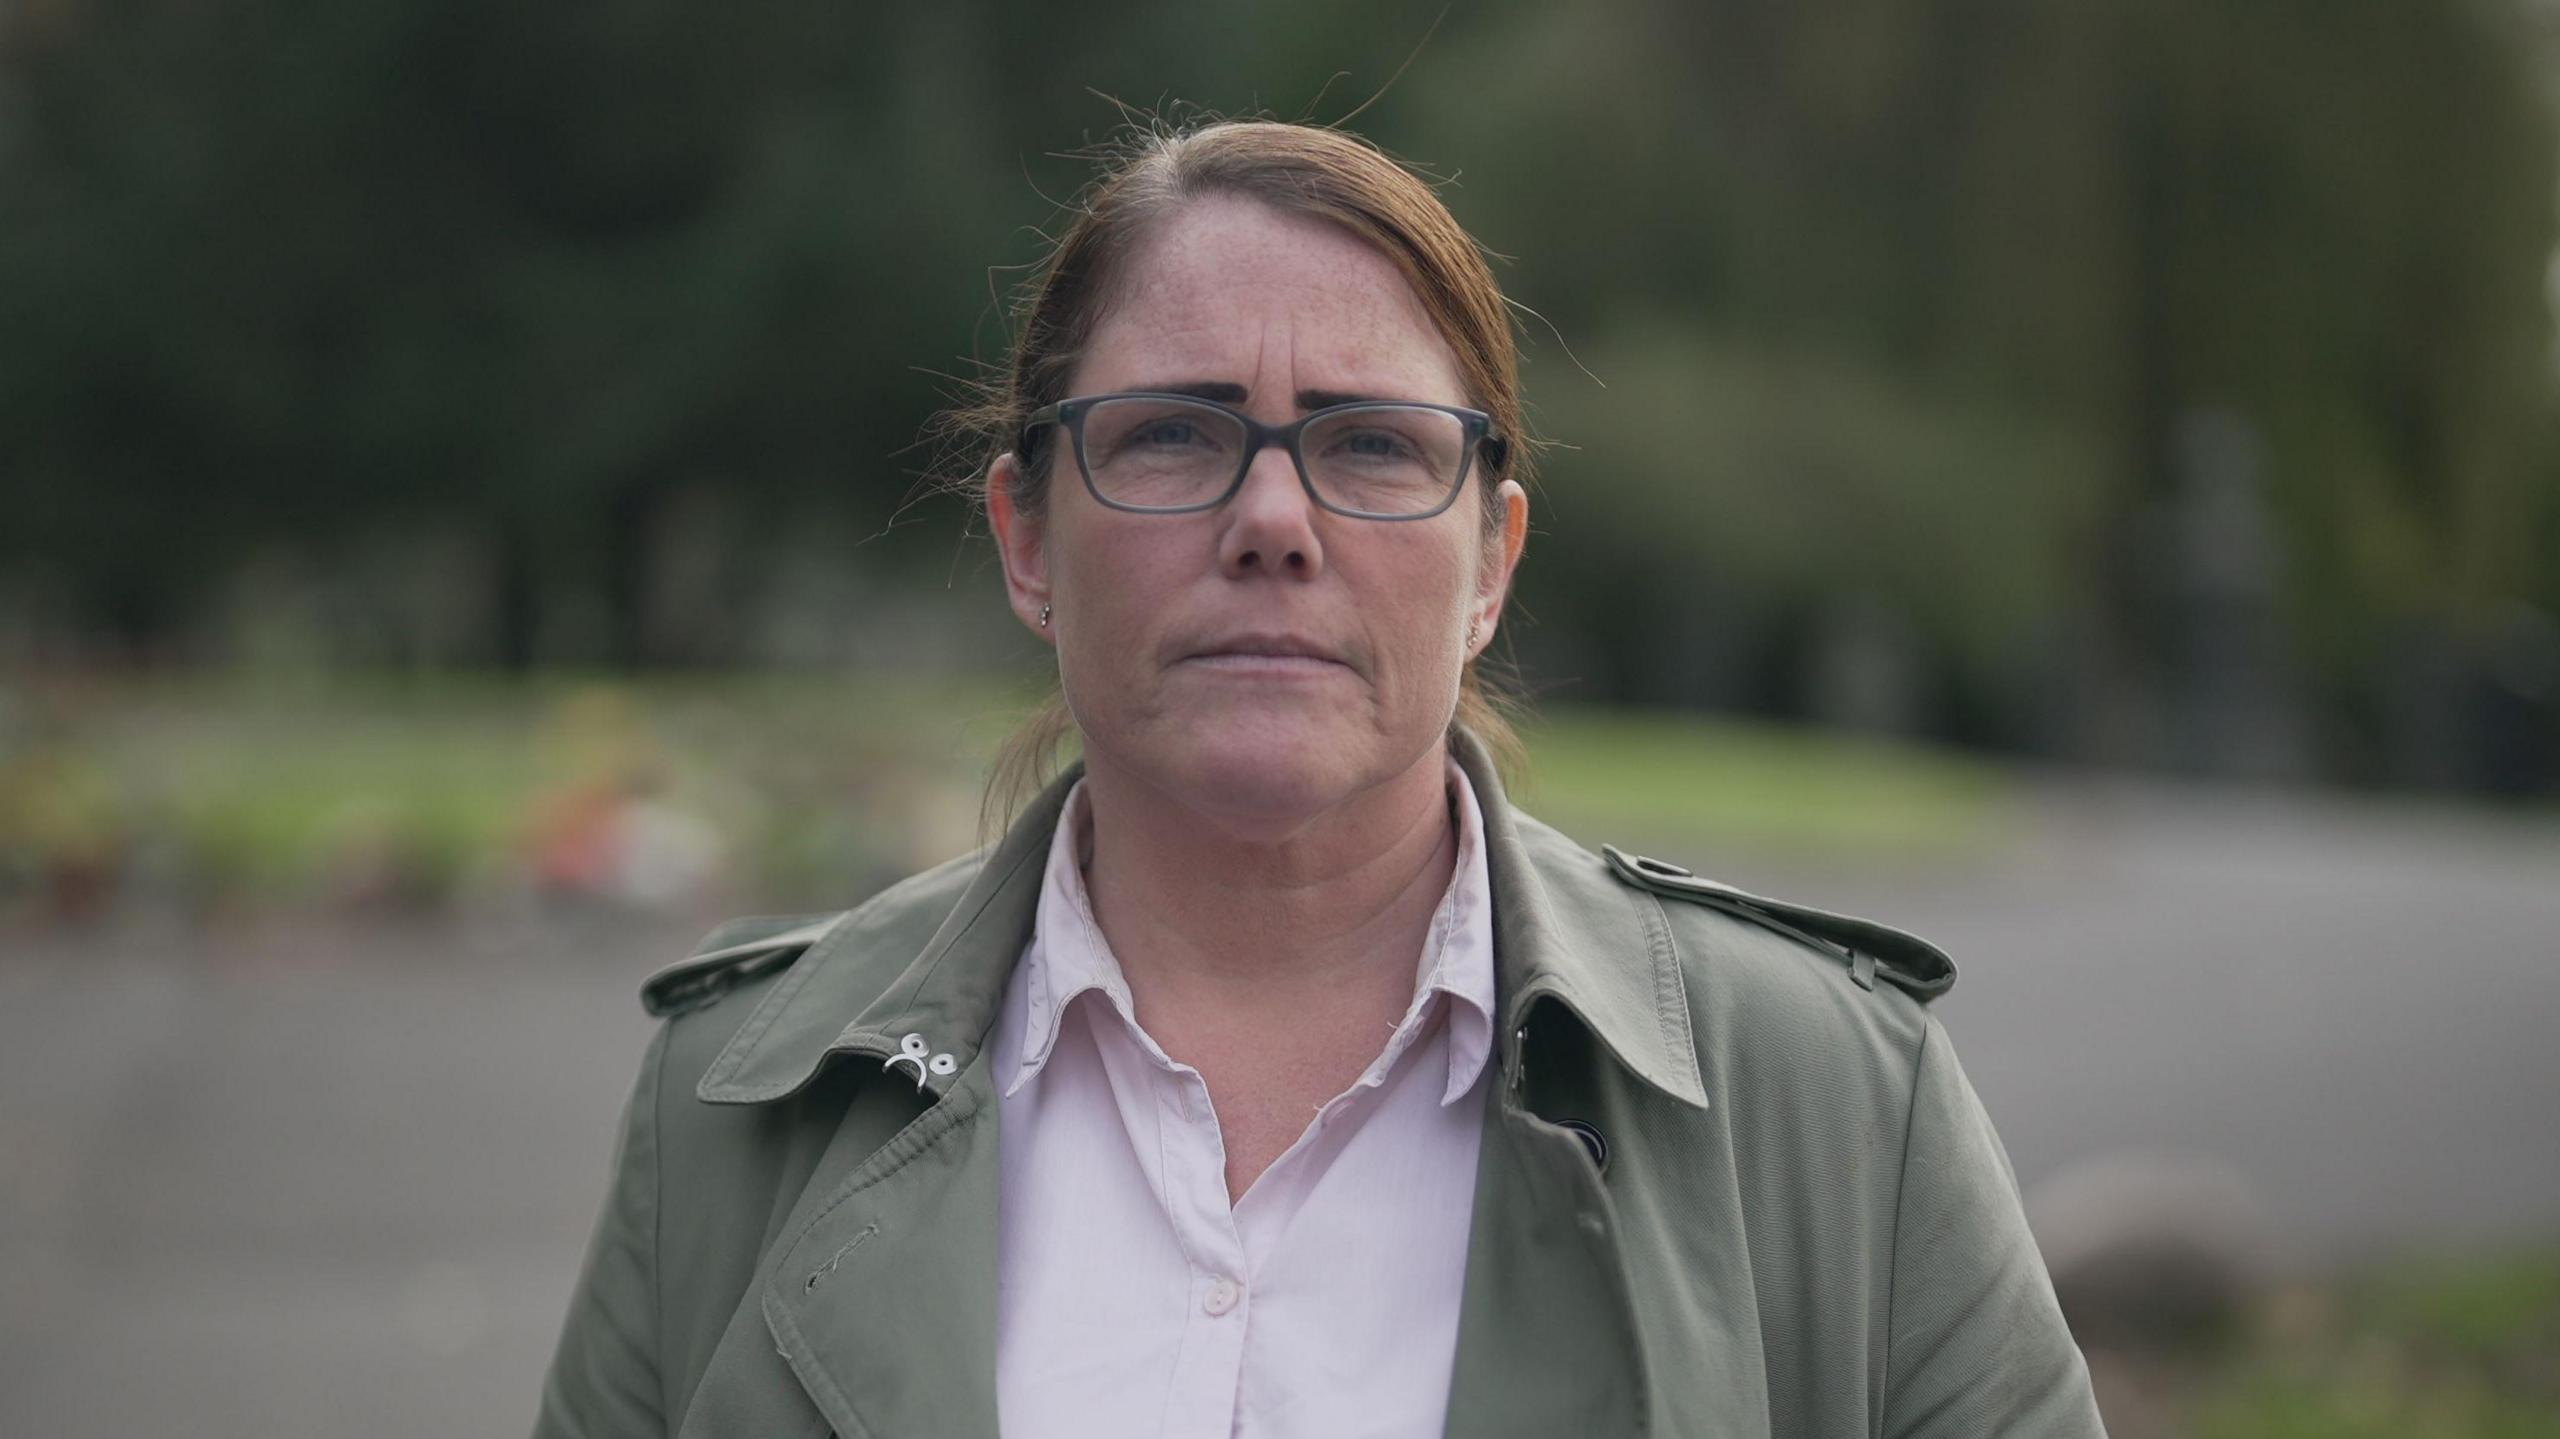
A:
(1209, 1362)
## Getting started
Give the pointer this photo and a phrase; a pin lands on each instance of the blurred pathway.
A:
(2351, 1009)
(332, 1182)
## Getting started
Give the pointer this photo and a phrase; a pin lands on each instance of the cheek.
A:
(1113, 578)
(1433, 593)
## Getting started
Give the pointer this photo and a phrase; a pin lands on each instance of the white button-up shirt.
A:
(1132, 1299)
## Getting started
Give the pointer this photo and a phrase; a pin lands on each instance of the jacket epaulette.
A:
(738, 951)
(1868, 948)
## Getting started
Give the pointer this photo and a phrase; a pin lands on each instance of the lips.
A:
(1267, 647)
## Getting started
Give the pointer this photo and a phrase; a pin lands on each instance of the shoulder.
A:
(1768, 979)
(737, 985)
(736, 952)
(1868, 952)
(730, 969)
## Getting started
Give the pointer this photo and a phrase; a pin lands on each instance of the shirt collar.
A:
(1068, 956)
(932, 956)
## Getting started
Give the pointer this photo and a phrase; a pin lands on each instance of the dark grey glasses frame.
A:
(1069, 415)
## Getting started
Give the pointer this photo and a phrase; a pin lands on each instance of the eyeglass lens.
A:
(1169, 454)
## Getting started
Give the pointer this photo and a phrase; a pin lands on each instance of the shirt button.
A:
(1222, 1296)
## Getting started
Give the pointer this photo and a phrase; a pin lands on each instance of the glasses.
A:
(1162, 454)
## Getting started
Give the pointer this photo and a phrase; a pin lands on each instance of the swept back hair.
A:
(1144, 178)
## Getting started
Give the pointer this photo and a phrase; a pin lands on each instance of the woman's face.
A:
(1265, 660)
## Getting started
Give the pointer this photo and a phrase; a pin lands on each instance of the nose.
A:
(1270, 523)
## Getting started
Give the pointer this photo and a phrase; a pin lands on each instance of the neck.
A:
(1321, 917)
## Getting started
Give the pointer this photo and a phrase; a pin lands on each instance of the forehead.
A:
(1228, 288)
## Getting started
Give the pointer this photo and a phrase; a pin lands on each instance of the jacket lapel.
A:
(880, 1293)
(885, 1305)
(1547, 1342)
(1568, 1323)
(755, 1381)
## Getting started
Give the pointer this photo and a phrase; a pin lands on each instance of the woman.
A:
(1272, 1075)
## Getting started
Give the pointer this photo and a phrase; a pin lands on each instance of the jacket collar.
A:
(1565, 929)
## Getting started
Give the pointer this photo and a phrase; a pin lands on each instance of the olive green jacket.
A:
(1732, 1180)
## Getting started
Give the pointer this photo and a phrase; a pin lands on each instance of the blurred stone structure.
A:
(2232, 708)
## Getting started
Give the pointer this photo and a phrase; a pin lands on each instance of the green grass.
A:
(2481, 1310)
(227, 790)
(276, 793)
(2451, 1349)
(1720, 784)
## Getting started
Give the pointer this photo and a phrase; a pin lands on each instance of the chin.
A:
(1271, 763)
(1267, 765)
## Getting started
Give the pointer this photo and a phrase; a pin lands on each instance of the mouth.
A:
(1276, 654)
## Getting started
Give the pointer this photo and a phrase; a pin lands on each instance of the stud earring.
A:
(1044, 617)
(1474, 627)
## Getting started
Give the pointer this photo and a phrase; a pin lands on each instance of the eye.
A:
(1171, 432)
(1373, 444)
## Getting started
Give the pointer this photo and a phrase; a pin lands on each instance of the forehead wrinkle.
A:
(1282, 357)
(1218, 266)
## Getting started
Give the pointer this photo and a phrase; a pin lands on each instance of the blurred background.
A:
(2081, 482)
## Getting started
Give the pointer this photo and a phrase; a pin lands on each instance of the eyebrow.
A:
(1227, 392)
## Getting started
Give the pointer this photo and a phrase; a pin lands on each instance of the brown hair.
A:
(1307, 170)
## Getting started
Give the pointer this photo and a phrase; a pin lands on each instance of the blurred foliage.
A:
(1787, 483)
(479, 793)
(2466, 1349)
(587, 332)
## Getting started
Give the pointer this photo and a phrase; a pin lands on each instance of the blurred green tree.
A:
(1901, 307)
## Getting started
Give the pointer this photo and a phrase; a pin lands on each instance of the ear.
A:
(1021, 545)
(1502, 559)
